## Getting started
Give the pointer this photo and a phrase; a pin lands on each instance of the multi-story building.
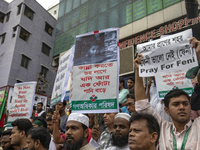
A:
(138, 20)
(27, 33)
(53, 10)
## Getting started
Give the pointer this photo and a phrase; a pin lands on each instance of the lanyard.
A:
(184, 140)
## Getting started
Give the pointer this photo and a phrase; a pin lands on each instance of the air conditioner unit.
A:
(126, 60)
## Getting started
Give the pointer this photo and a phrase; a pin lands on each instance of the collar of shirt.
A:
(186, 127)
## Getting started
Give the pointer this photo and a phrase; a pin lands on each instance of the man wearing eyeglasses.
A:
(130, 103)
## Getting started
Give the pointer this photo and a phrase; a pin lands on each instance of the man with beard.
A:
(77, 132)
(38, 139)
(63, 116)
(40, 111)
(19, 132)
(130, 84)
(120, 132)
(6, 142)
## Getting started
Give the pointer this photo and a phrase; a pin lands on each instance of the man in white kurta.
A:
(173, 135)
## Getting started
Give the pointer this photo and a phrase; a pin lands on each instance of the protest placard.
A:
(94, 87)
(174, 80)
(168, 54)
(63, 73)
(2, 101)
(22, 102)
(40, 98)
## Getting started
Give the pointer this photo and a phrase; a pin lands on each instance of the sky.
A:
(45, 3)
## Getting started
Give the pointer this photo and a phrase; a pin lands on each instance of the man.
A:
(120, 132)
(130, 84)
(122, 93)
(152, 92)
(99, 140)
(40, 111)
(19, 132)
(177, 105)
(49, 113)
(63, 116)
(38, 139)
(52, 145)
(144, 132)
(77, 132)
(130, 103)
(39, 122)
(5, 141)
(33, 112)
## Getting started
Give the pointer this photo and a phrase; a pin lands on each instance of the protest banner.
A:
(174, 80)
(40, 98)
(168, 54)
(95, 75)
(22, 102)
(3, 96)
(63, 73)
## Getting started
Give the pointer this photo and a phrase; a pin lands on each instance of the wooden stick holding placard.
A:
(96, 119)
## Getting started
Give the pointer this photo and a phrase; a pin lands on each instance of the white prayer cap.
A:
(123, 115)
(79, 118)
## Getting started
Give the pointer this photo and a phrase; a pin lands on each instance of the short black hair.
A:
(131, 78)
(50, 110)
(7, 132)
(42, 134)
(64, 103)
(49, 118)
(40, 103)
(22, 125)
(152, 122)
(84, 128)
(132, 96)
(40, 118)
(121, 80)
(172, 94)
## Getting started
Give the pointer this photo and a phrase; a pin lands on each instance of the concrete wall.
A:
(32, 48)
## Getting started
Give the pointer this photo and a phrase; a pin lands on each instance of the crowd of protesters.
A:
(143, 122)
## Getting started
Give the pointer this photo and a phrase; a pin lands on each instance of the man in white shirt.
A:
(179, 134)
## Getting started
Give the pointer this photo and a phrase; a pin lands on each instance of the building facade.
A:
(139, 21)
(53, 10)
(27, 33)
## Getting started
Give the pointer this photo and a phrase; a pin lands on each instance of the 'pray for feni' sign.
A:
(168, 54)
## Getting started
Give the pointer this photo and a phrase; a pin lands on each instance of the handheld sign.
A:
(168, 54)
(22, 102)
(63, 73)
(94, 87)
(175, 80)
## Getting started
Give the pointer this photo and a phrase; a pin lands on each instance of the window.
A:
(44, 71)
(14, 31)
(45, 49)
(28, 12)
(2, 15)
(7, 17)
(48, 29)
(24, 35)
(2, 38)
(19, 9)
(55, 12)
(25, 61)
